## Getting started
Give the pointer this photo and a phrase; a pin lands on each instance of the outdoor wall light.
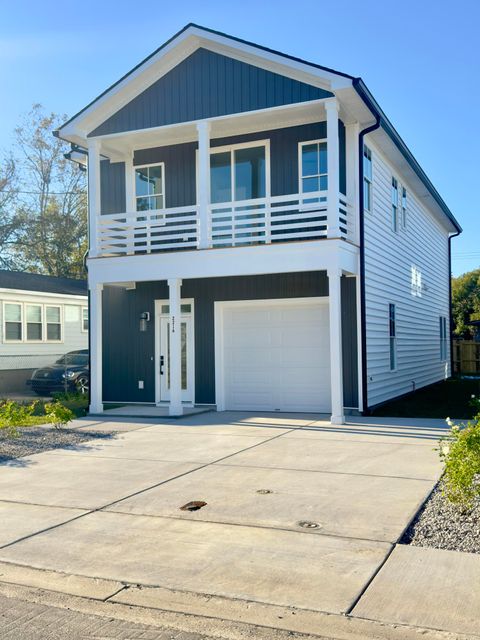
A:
(144, 319)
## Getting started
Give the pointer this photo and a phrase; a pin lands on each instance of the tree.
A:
(8, 219)
(52, 204)
(465, 302)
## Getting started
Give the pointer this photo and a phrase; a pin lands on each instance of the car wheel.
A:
(82, 385)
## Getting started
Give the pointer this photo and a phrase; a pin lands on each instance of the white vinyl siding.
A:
(30, 353)
(411, 269)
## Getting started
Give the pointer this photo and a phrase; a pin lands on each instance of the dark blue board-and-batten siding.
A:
(207, 85)
(180, 172)
(128, 354)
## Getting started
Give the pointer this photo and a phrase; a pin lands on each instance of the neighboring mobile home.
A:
(41, 318)
(260, 237)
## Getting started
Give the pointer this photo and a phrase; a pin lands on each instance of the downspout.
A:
(450, 313)
(363, 313)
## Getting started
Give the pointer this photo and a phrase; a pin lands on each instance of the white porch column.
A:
(203, 190)
(93, 195)
(333, 159)
(336, 363)
(175, 364)
(96, 343)
(130, 203)
(352, 178)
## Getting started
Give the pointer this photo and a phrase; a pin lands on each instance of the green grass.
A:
(447, 398)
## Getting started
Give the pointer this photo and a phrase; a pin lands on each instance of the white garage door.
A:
(276, 356)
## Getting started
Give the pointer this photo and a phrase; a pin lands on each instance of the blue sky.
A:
(421, 60)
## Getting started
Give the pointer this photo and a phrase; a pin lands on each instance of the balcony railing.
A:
(229, 224)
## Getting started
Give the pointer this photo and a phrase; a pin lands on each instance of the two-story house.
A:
(260, 237)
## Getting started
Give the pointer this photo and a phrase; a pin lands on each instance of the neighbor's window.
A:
(443, 338)
(367, 179)
(84, 318)
(394, 204)
(54, 323)
(404, 208)
(314, 173)
(12, 322)
(392, 336)
(33, 314)
(238, 174)
(149, 187)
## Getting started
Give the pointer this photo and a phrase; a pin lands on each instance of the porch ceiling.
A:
(121, 145)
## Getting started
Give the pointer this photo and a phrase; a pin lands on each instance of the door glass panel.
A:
(250, 173)
(183, 352)
(184, 308)
(221, 177)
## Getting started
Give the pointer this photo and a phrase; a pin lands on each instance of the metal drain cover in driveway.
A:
(195, 505)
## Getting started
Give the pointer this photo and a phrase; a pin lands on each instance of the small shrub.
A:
(14, 415)
(460, 451)
(58, 414)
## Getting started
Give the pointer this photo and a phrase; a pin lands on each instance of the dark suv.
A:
(68, 373)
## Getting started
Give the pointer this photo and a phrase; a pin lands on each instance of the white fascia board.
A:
(171, 55)
(4, 293)
(238, 261)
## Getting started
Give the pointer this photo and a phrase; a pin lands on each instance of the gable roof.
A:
(24, 281)
(352, 91)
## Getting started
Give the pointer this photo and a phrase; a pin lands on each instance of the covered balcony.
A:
(242, 194)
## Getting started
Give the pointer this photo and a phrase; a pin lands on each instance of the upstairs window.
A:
(404, 208)
(443, 338)
(392, 329)
(394, 204)
(313, 166)
(367, 179)
(149, 187)
(33, 313)
(13, 322)
(238, 173)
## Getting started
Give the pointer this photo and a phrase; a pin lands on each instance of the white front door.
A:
(163, 355)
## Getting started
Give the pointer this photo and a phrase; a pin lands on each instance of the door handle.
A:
(162, 362)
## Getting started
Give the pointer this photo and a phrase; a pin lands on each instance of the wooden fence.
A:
(466, 356)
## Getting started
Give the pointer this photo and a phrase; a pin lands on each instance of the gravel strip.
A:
(37, 439)
(442, 525)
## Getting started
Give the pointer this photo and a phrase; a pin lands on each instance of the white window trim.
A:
(367, 179)
(82, 329)
(404, 209)
(26, 323)
(62, 328)
(443, 339)
(394, 218)
(300, 175)
(163, 194)
(23, 306)
(22, 314)
(231, 148)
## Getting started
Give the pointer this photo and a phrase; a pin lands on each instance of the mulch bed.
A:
(32, 440)
(442, 525)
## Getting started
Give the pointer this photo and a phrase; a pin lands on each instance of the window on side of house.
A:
(313, 166)
(404, 208)
(53, 318)
(394, 204)
(150, 187)
(13, 322)
(443, 338)
(84, 318)
(367, 179)
(392, 336)
(34, 322)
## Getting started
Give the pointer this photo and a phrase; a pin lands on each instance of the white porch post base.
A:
(175, 405)
(96, 343)
(336, 364)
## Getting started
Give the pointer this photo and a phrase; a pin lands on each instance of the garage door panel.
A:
(277, 357)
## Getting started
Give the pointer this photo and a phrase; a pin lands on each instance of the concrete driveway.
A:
(299, 513)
